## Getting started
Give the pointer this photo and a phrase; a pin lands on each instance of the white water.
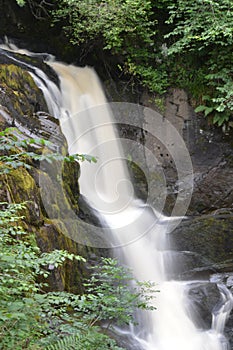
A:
(87, 124)
(139, 230)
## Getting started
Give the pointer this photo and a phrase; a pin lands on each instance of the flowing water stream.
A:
(108, 187)
(140, 232)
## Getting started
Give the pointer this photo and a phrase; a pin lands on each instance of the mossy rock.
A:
(21, 187)
(23, 105)
(72, 273)
(210, 236)
(59, 195)
(19, 93)
(70, 176)
(139, 180)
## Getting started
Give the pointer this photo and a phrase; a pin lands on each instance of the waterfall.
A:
(140, 231)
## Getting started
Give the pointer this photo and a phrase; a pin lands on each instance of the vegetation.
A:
(161, 43)
(31, 318)
(204, 30)
(125, 28)
(14, 152)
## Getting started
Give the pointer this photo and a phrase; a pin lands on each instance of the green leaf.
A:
(208, 110)
(200, 108)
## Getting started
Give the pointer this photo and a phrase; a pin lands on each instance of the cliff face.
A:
(22, 105)
(207, 229)
(202, 244)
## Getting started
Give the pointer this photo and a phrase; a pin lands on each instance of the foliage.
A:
(21, 263)
(92, 340)
(125, 28)
(20, 2)
(113, 297)
(204, 28)
(108, 298)
(201, 24)
(33, 319)
(201, 30)
(116, 23)
(14, 152)
(159, 43)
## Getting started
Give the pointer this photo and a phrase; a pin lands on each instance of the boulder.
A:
(209, 236)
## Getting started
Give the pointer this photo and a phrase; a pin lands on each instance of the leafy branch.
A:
(14, 152)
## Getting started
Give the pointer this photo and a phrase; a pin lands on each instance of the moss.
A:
(21, 187)
(58, 198)
(139, 180)
(53, 235)
(19, 93)
(47, 227)
(70, 175)
(209, 236)
(54, 232)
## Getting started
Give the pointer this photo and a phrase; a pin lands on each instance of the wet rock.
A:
(27, 61)
(19, 95)
(88, 214)
(210, 150)
(211, 153)
(213, 187)
(186, 265)
(229, 330)
(70, 276)
(124, 339)
(208, 236)
(204, 298)
(52, 214)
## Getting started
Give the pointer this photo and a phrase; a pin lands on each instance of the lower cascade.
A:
(139, 231)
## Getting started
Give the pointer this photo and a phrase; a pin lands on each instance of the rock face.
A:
(203, 242)
(210, 151)
(204, 298)
(208, 236)
(202, 245)
(22, 105)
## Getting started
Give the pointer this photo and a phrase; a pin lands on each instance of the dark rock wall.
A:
(29, 26)
(202, 245)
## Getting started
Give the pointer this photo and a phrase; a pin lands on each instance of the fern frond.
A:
(70, 342)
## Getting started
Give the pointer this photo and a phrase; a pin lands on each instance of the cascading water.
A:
(140, 231)
(107, 186)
